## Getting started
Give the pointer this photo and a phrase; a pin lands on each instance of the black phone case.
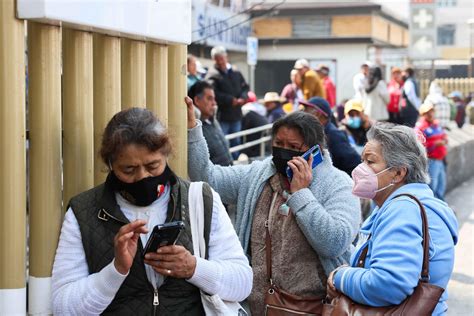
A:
(163, 235)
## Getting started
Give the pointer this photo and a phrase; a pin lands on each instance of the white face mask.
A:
(366, 182)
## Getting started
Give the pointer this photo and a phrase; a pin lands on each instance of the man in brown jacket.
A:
(312, 84)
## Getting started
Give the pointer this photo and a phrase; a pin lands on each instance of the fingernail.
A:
(159, 250)
(147, 256)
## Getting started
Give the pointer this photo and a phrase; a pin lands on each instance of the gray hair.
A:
(401, 148)
(218, 51)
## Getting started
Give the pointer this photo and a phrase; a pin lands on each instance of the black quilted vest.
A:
(100, 218)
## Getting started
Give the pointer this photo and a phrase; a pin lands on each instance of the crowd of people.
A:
(298, 229)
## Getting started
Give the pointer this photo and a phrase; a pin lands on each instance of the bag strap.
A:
(196, 218)
(425, 275)
(268, 241)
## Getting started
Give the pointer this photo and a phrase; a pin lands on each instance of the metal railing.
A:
(244, 133)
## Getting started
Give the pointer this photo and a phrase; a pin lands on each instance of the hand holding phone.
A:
(315, 151)
(163, 235)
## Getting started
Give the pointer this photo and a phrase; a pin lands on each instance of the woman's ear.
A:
(400, 174)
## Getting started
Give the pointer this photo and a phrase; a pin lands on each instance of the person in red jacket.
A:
(395, 91)
(328, 84)
(436, 148)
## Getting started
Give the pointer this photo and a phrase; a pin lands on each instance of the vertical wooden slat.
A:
(44, 69)
(12, 162)
(107, 95)
(157, 80)
(133, 73)
(78, 141)
(177, 120)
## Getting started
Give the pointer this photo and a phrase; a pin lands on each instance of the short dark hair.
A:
(409, 71)
(306, 124)
(198, 88)
(134, 126)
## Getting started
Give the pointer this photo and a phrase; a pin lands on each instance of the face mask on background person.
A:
(281, 156)
(366, 182)
(143, 192)
(354, 121)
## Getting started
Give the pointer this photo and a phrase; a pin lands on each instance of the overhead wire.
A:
(231, 17)
(267, 11)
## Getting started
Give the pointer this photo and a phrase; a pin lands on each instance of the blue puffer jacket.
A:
(393, 264)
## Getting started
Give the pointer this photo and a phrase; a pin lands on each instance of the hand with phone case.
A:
(300, 169)
(164, 256)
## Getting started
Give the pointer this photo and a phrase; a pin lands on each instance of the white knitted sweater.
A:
(76, 292)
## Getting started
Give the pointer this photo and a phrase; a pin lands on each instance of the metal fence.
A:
(465, 85)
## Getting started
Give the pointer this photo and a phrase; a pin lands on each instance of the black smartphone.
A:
(163, 235)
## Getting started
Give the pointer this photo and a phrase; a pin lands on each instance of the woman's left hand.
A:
(175, 261)
(302, 173)
(332, 292)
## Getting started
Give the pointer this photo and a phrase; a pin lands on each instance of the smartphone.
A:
(163, 235)
(315, 151)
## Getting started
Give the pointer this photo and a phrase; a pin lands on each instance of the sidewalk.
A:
(461, 285)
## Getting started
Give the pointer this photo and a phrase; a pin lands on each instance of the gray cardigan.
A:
(326, 212)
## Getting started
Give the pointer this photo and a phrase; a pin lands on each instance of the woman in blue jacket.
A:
(394, 161)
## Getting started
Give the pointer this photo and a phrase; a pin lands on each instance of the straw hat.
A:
(271, 97)
(426, 107)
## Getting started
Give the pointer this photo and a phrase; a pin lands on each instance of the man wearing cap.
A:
(312, 85)
(436, 149)
(356, 123)
(343, 155)
(459, 107)
(273, 104)
(328, 84)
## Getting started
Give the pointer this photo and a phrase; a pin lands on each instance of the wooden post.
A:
(177, 119)
(133, 73)
(107, 95)
(157, 80)
(12, 162)
(44, 70)
(78, 141)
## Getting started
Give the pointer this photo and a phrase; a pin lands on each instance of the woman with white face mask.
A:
(394, 163)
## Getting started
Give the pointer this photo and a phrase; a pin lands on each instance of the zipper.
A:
(267, 307)
(156, 300)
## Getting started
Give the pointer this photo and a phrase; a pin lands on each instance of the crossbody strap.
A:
(425, 275)
(268, 240)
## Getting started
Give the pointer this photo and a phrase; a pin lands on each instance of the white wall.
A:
(349, 57)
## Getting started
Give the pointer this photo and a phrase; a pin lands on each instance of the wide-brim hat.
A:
(426, 107)
(272, 97)
(301, 63)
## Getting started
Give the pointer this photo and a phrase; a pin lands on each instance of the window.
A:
(446, 34)
(446, 3)
(311, 27)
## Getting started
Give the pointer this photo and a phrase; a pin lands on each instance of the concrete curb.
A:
(460, 155)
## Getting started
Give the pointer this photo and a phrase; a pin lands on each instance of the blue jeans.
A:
(230, 128)
(437, 171)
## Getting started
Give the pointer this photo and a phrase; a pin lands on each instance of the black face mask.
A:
(140, 193)
(281, 156)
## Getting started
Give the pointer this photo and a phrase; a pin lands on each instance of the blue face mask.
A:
(354, 121)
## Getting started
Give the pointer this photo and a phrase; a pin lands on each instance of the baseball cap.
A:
(353, 104)
(320, 104)
(301, 63)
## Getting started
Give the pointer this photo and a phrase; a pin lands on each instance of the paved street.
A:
(461, 286)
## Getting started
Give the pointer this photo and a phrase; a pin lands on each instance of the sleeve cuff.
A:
(195, 134)
(206, 275)
(109, 280)
(300, 199)
(339, 278)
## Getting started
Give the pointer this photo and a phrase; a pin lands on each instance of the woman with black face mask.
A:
(295, 230)
(100, 266)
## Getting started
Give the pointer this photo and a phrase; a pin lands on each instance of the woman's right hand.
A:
(191, 115)
(125, 245)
